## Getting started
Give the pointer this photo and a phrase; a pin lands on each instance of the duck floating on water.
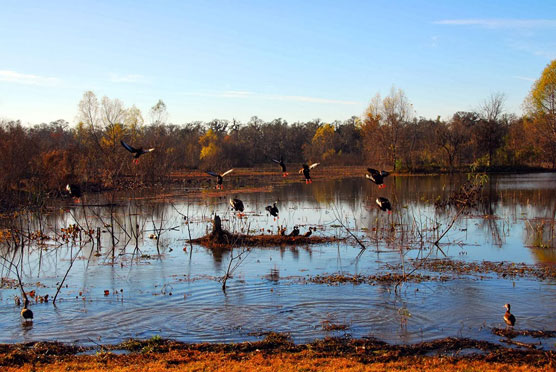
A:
(282, 165)
(384, 204)
(509, 318)
(306, 170)
(136, 151)
(219, 178)
(377, 177)
(26, 313)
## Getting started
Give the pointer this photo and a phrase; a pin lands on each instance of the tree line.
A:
(388, 135)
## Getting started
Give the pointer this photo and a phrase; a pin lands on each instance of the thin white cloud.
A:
(26, 79)
(248, 94)
(524, 78)
(313, 100)
(130, 78)
(495, 23)
(236, 94)
(545, 50)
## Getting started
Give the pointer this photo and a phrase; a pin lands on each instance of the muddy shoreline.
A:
(366, 351)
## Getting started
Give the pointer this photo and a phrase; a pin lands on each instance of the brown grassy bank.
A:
(277, 353)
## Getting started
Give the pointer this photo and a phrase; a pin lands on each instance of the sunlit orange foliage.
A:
(261, 362)
(55, 166)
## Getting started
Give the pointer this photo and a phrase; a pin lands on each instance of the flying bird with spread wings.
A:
(136, 151)
(282, 165)
(219, 178)
(306, 170)
(377, 177)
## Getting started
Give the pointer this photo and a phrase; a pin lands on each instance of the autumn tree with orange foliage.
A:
(540, 106)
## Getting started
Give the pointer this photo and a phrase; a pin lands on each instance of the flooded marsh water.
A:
(169, 288)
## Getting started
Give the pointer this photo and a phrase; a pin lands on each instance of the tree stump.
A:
(218, 235)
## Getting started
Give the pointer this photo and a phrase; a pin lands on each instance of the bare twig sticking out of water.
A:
(239, 258)
(73, 258)
(464, 198)
(235, 261)
(136, 230)
(187, 221)
(17, 274)
(109, 226)
(339, 220)
(16, 243)
(449, 227)
(159, 230)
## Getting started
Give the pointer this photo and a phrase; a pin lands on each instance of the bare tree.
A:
(393, 113)
(492, 108)
(113, 111)
(491, 129)
(159, 113)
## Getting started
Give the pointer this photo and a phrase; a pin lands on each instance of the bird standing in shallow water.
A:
(308, 233)
(384, 204)
(219, 178)
(306, 170)
(273, 210)
(509, 318)
(377, 177)
(282, 165)
(26, 313)
(295, 231)
(137, 152)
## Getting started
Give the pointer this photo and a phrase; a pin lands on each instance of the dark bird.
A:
(308, 233)
(281, 230)
(273, 210)
(306, 170)
(74, 190)
(509, 318)
(219, 178)
(377, 177)
(137, 152)
(295, 231)
(384, 204)
(237, 205)
(26, 313)
(282, 165)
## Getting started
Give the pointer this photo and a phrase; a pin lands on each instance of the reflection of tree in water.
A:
(540, 237)
(218, 255)
(487, 205)
(295, 253)
(544, 255)
(323, 192)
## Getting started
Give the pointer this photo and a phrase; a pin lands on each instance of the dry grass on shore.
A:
(259, 361)
(277, 353)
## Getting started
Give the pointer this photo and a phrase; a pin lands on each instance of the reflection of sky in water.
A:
(267, 291)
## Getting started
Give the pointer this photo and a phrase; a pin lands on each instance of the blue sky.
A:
(296, 60)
